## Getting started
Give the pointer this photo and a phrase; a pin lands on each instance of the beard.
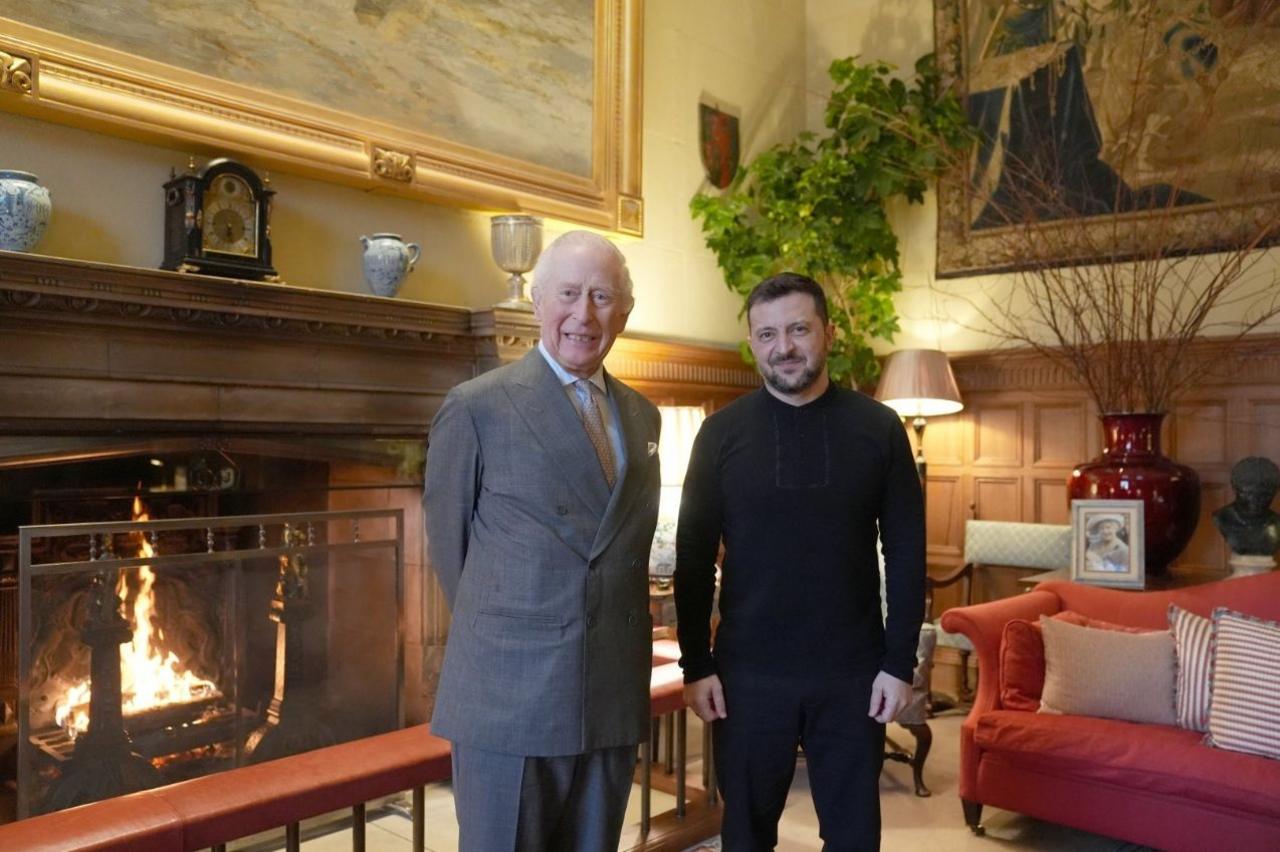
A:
(780, 383)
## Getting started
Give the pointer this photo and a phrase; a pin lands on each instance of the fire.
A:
(149, 678)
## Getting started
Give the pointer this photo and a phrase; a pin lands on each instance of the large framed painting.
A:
(531, 105)
(1096, 117)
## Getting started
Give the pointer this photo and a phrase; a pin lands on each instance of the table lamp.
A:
(918, 383)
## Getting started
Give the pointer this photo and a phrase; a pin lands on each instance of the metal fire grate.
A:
(223, 547)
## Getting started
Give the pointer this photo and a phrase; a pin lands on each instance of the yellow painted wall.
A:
(108, 202)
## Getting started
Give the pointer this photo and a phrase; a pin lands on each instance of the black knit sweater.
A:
(797, 492)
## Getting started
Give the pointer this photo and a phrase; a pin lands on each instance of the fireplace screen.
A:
(152, 651)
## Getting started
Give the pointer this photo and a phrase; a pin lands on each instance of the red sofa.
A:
(1150, 784)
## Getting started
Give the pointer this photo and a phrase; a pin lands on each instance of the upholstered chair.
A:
(1045, 547)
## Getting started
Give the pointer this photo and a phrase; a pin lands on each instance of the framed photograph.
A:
(1107, 543)
(1091, 114)
(508, 106)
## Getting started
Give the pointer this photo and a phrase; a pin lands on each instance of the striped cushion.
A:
(1244, 713)
(1191, 635)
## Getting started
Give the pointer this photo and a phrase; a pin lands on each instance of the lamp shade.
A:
(919, 383)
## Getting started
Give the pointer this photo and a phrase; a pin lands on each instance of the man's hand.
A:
(706, 697)
(888, 696)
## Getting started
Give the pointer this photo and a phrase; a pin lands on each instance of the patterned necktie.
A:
(593, 420)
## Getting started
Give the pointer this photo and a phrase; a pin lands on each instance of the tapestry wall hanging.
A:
(1096, 114)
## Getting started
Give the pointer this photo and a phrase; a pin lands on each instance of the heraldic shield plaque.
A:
(718, 138)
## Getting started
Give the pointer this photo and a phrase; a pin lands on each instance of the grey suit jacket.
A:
(544, 568)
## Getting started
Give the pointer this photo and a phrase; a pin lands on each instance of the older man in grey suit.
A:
(541, 501)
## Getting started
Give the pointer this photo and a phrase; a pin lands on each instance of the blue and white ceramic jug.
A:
(387, 259)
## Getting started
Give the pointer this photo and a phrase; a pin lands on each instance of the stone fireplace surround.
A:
(99, 350)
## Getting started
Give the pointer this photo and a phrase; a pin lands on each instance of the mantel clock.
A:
(216, 222)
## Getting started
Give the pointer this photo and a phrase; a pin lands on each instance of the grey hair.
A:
(572, 239)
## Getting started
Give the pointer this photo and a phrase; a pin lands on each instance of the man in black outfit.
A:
(799, 478)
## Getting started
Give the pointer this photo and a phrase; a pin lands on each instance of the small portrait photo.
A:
(1107, 547)
(1106, 542)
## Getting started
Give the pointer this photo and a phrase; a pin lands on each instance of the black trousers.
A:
(755, 755)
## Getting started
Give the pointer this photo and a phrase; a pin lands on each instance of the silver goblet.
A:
(515, 242)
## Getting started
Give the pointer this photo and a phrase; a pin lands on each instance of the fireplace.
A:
(190, 605)
(210, 398)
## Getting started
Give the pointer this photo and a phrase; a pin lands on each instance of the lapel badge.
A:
(653, 448)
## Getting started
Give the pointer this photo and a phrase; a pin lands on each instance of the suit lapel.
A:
(635, 438)
(545, 408)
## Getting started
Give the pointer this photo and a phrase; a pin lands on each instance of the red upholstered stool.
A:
(665, 651)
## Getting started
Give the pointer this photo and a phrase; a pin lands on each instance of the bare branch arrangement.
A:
(1127, 305)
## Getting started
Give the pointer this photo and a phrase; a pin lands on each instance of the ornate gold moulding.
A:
(57, 78)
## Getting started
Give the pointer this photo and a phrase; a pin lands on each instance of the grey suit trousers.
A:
(569, 803)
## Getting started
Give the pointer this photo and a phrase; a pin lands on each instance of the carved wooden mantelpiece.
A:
(86, 346)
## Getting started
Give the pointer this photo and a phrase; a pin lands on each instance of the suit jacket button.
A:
(562, 510)
(591, 621)
(631, 619)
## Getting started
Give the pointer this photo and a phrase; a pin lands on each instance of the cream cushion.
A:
(1106, 673)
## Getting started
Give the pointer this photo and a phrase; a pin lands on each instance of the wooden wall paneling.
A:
(1050, 504)
(1031, 424)
(944, 510)
(997, 498)
(944, 440)
(1199, 433)
(1238, 431)
(679, 374)
(1207, 546)
(997, 434)
(1264, 438)
(1060, 433)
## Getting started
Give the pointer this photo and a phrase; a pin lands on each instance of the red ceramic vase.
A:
(1132, 467)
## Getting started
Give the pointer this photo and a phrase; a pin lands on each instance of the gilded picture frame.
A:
(1193, 143)
(1107, 543)
(59, 77)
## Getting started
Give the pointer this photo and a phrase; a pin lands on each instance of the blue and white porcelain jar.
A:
(387, 259)
(24, 210)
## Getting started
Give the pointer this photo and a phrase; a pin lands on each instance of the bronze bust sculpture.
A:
(1248, 524)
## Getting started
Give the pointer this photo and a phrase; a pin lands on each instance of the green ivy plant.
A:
(817, 205)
